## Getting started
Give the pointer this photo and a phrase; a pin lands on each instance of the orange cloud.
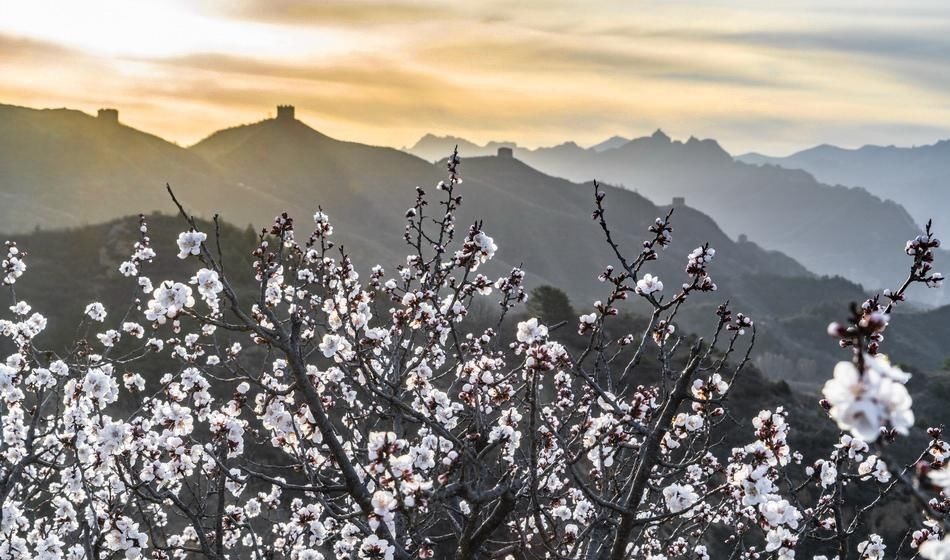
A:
(767, 78)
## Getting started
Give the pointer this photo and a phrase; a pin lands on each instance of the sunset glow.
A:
(774, 78)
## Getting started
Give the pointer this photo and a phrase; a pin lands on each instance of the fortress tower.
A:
(506, 153)
(285, 112)
(108, 116)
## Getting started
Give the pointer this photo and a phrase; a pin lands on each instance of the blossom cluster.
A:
(324, 414)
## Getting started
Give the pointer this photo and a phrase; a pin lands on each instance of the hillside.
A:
(916, 177)
(433, 148)
(786, 210)
(293, 167)
(76, 168)
(557, 240)
(71, 168)
(250, 173)
(64, 168)
(791, 342)
(538, 221)
(68, 268)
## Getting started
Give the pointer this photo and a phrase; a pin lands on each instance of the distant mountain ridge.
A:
(64, 167)
(612, 142)
(786, 210)
(542, 223)
(917, 177)
(432, 147)
(250, 173)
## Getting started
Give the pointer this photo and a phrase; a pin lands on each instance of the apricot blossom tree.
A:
(333, 414)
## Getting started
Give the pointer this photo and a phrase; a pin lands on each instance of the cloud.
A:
(915, 55)
(733, 79)
(528, 55)
(397, 98)
(364, 71)
(326, 12)
(919, 43)
(21, 48)
(766, 75)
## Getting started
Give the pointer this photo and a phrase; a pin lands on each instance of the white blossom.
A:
(96, 311)
(873, 548)
(189, 243)
(679, 497)
(531, 331)
(864, 402)
(648, 285)
(935, 550)
(168, 300)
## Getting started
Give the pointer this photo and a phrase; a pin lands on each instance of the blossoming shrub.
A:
(324, 414)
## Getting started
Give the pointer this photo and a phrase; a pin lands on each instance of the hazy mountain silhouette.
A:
(60, 167)
(829, 229)
(432, 148)
(539, 221)
(77, 168)
(548, 222)
(365, 189)
(90, 169)
(918, 178)
(612, 142)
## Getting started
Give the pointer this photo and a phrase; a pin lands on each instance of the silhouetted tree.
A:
(550, 305)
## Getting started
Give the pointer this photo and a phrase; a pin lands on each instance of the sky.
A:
(772, 77)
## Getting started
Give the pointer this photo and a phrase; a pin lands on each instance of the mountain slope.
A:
(790, 342)
(365, 189)
(64, 168)
(917, 177)
(831, 230)
(537, 220)
(610, 143)
(432, 148)
(540, 222)
(69, 168)
(547, 224)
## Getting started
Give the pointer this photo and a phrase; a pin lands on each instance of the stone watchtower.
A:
(285, 112)
(679, 201)
(108, 116)
(506, 153)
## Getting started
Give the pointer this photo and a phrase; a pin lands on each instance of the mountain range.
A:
(917, 177)
(65, 168)
(829, 229)
(62, 169)
(433, 148)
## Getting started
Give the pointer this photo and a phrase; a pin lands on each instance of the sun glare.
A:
(116, 28)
